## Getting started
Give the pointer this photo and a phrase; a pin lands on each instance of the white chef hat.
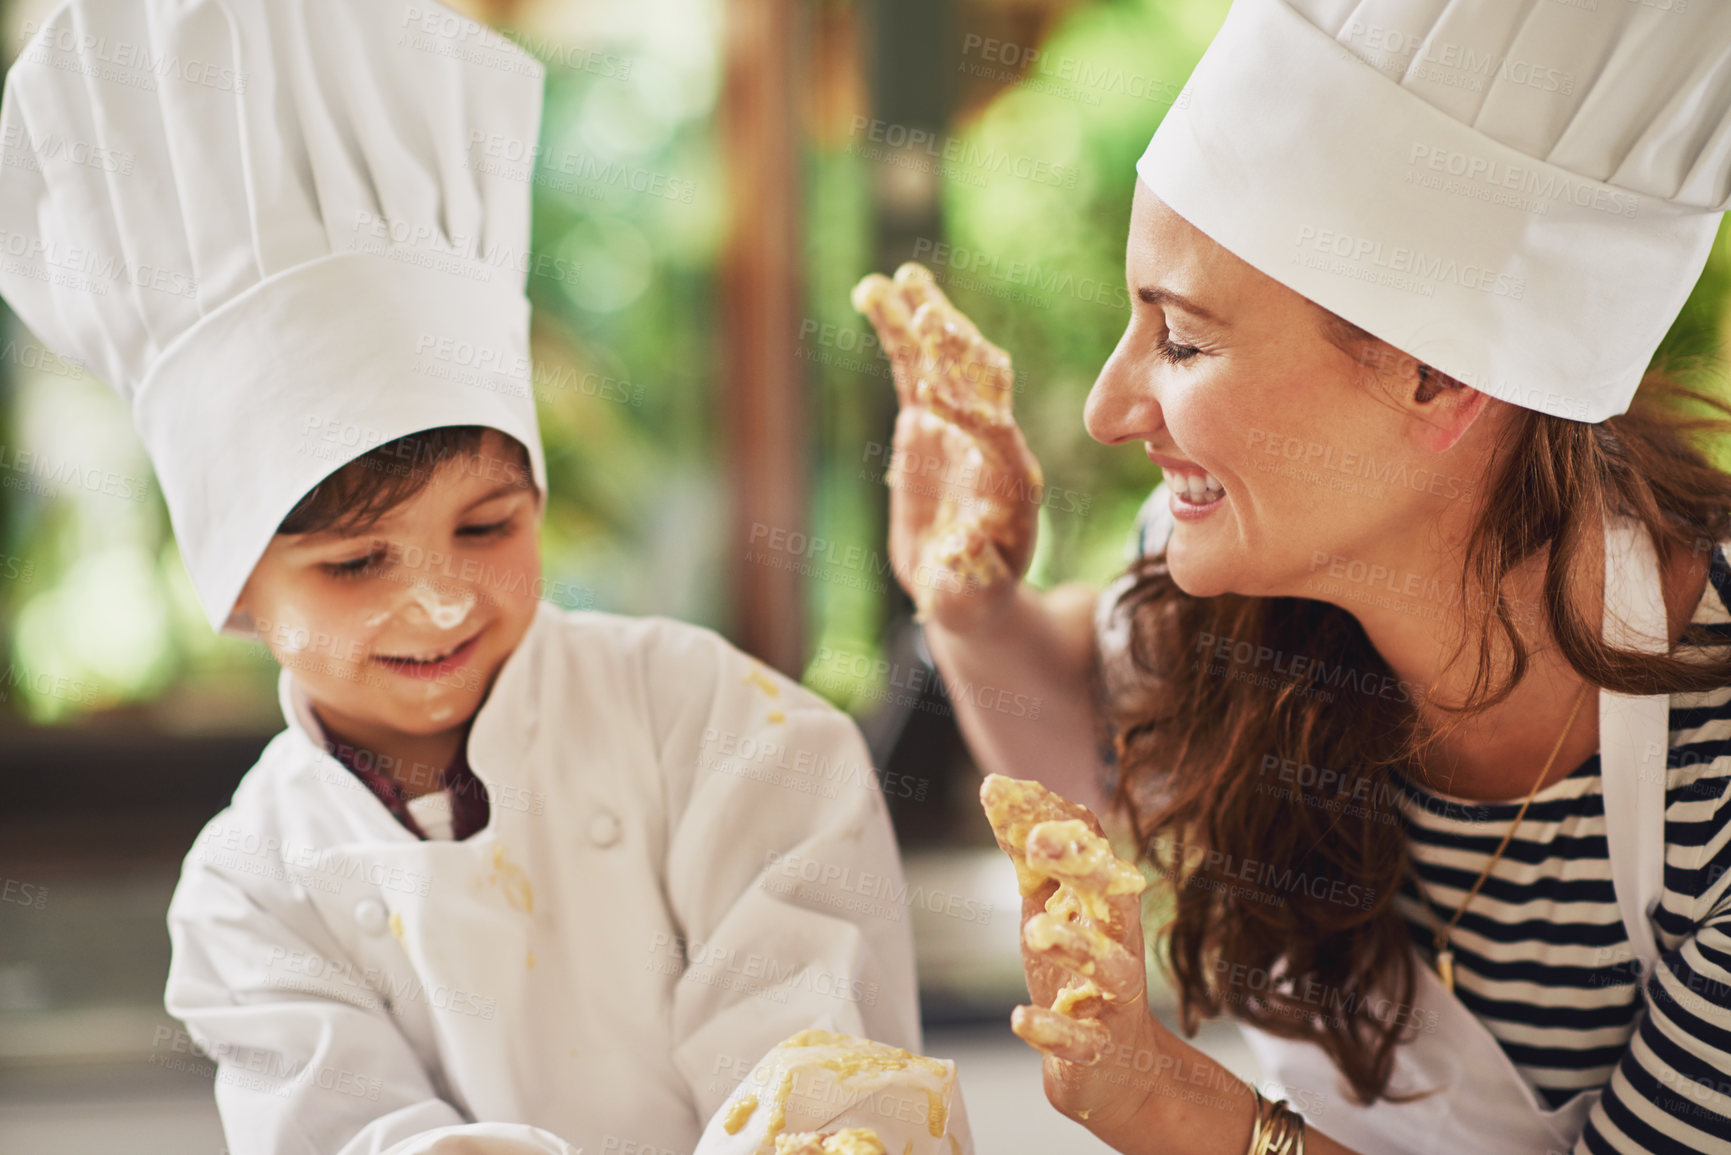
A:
(1521, 195)
(274, 227)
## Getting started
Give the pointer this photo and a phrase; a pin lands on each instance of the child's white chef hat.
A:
(1521, 195)
(287, 233)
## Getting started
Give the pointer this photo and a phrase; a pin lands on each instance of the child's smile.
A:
(434, 665)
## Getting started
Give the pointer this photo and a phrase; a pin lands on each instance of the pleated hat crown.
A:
(279, 230)
(1520, 193)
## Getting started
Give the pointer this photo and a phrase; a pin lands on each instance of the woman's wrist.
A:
(1137, 1070)
(1184, 1103)
(981, 613)
(1023, 622)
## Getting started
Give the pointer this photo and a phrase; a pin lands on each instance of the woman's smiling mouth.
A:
(1194, 491)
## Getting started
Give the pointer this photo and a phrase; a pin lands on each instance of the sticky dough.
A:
(849, 1141)
(1049, 839)
(960, 379)
(445, 614)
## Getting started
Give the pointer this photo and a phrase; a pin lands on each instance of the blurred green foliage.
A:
(1074, 238)
(628, 206)
(626, 344)
(1035, 210)
(1036, 204)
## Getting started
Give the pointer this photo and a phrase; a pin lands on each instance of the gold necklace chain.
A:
(1445, 955)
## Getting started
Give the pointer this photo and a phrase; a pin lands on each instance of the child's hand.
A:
(964, 488)
(1082, 954)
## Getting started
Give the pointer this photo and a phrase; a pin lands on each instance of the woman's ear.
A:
(1440, 409)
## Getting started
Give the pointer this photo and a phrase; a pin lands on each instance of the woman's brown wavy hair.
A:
(1284, 913)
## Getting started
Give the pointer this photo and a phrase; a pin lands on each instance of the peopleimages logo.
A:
(1543, 183)
(63, 45)
(1038, 278)
(1366, 254)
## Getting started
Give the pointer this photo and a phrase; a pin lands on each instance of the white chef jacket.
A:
(686, 861)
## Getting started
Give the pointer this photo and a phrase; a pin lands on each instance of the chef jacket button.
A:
(371, 917)
(604, 829)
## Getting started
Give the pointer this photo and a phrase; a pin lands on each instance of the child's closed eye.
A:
(487, 529)
(355, 567)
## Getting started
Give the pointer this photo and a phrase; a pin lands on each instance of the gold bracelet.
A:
(1257, 1124)
(1290, 1129)
(1275, 1141)
(1278, 1130)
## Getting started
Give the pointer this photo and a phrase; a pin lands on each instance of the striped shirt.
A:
(1541, 955)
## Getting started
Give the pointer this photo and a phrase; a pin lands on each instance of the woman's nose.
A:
(1121, 407)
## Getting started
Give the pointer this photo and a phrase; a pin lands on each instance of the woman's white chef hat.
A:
(1519, 194)
(281, 231)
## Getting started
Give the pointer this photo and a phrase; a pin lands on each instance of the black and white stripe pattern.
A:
(1541, 956)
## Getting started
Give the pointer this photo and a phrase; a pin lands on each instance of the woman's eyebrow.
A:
(1155, 295)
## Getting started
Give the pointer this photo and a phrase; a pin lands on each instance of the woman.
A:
(1414, 516)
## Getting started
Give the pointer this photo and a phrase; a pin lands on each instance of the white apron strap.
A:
(1634, 736)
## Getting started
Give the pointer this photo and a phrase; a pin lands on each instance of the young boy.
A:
(616, 933)
(513, 879)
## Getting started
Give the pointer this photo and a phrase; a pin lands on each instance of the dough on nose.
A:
(445, 613)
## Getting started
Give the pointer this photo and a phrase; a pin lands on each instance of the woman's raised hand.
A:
(1082, 952)
(964, 488)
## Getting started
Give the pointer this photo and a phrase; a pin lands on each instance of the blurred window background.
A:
(713, 178)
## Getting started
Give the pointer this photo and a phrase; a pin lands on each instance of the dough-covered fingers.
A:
(1072, 851)
(963, 526)
(919, 290)
(1080, 1041)
(939, 356)
(963, 377)
(1086, 951)
(885, 306)
(915, 285)
(1094, 883)
(960, 556)
(1081, 911)
(1014, 806)
(958, 373)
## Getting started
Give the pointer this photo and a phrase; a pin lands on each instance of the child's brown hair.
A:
(357, 495)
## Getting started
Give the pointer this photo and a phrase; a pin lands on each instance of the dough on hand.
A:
(965, 380)
(1051, 839)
